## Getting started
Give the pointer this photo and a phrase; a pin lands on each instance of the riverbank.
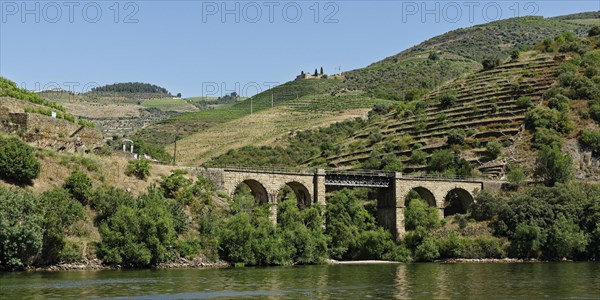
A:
(96, 265)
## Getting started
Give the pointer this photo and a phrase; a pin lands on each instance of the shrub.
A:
(393, 164)
(546, 137)
(524, 102)
(595, 111)
(456, 137)
(418, 157)
(565, 239)
(541, 117)
(17, 161)
(553, 166)
(175, 185)
(486, 206)
(106, 200)
(139, 168)
(516, 176)
(420, 214)
(79, 186)
(427, 250)
(493, 149)
(141, 234)
(595, 31)
(60, 212)
(515, 54)
(490, 63)
(441, 160)
(448, 100)
(527, 241)
(591, 138)
(559, 102)
(21, 227)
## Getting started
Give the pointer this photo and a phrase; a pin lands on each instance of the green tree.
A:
(79, 186)
(490, 63)
(60, 212)
(139, 168)
(565, 239)
(139, 235)
(493, 149)
(420, 214)
(591, 138)
(553, 166)
(441, 160)
(21, 227)
(17, 161)
(456, 137)
(515, 54)
(528, 241)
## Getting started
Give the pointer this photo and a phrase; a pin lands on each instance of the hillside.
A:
(403, 77)
(458, 52)
(482, 124)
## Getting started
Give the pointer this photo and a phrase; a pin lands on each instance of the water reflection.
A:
(439, 281)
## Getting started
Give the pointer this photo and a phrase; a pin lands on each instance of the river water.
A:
(383, 281)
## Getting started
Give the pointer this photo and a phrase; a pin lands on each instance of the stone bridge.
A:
(450, 196)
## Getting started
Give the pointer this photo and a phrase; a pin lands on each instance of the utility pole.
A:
(175, 152)
(272, 98)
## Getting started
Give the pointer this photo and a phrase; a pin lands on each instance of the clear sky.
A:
(193, 46)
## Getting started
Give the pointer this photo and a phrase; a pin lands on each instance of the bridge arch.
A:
(301, 192)
(457, 201)
(424, 194)
(257, 189)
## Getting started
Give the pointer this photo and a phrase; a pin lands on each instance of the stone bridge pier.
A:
(447, 195)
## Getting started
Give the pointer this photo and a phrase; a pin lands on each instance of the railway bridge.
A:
(450, 196)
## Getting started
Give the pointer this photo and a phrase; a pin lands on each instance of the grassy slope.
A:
(170, 104)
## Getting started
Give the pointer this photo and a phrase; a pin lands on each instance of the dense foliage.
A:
(139, 168)
(546, 222)
(17, 161)
(132, 88)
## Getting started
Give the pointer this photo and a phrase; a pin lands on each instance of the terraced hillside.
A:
(459, 51)
(485, 107)
(402, 77)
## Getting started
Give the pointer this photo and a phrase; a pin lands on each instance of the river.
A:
(384, 281)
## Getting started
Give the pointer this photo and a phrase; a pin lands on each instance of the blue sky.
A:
(191, 46)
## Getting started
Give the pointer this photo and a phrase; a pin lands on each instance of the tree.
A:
(79, 186)
(17, 161)
(490, 63)
(139, 168)
(527, 241)
(448, 100)
(321, 72)
(420, 214)
(515, 54)
(139, 234)
(441, 160)
(178, 95)
(434, 56)
(493, 149)
(316, 73)
(591, 138)
(21, 227)
(60, 212)
(553, 166)
(456, 137)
